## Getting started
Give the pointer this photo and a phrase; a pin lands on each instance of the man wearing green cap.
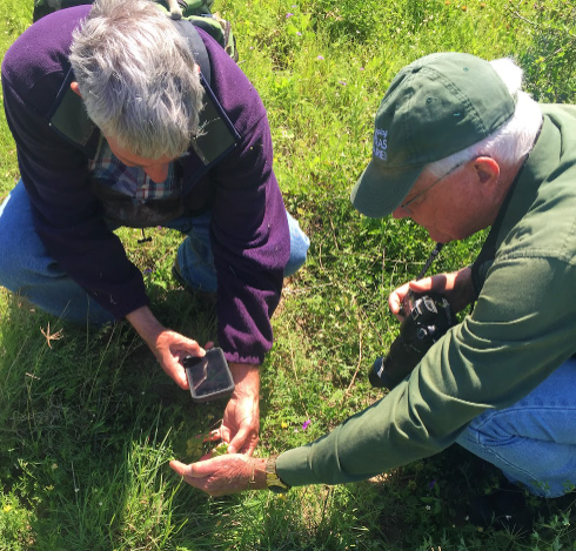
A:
(458, 147)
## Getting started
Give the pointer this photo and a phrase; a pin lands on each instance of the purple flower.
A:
(320, 58)
(148, 271)
(299, 33)
(343, 83)
(361, 68)
(431, 484)
(306, 424)
(288, 15)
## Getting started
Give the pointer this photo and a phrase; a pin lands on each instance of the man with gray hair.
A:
(458, 147)
(116, 123)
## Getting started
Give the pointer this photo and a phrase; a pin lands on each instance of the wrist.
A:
(258, 478)
(146, 325)
(274, 482)
(246, 377)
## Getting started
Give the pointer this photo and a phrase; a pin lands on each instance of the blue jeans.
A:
(534, 441)
(27, 269)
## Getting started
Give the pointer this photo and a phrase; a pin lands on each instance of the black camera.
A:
(428, 317)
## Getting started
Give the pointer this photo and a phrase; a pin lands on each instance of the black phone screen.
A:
(208, 376)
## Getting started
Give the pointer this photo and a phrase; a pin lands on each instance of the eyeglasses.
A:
(405, 204)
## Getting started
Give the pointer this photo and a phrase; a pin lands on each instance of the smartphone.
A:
(209, 377)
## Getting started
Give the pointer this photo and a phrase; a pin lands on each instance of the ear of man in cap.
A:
(438, 105)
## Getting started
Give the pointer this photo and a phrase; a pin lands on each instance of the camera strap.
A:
(430, 260)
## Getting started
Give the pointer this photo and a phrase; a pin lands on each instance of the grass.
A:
(87, 420)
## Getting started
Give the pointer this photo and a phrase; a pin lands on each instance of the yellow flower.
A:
(284, 425)
(464, 8)
(7, 508)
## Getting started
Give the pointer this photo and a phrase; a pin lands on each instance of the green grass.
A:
(88, 422)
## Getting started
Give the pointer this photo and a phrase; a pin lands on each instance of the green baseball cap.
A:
(438, 105)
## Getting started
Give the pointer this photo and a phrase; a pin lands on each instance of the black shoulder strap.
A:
(196, 46)
(488, 252)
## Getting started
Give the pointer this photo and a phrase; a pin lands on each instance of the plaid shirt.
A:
(107, 170)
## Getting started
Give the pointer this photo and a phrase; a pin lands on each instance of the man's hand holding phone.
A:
(168, 346)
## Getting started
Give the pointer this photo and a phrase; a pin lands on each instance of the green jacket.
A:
(523, 327)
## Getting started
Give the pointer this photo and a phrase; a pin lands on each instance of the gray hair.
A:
(514, 139)
(137, 77)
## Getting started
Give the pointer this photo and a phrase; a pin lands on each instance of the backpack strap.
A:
(195, 45)
(69, 118)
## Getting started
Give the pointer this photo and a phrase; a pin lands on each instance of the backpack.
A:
(70, 120)
(197, 11)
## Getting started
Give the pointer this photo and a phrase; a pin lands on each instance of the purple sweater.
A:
(249, 231)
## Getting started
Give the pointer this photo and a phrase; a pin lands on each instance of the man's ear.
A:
(487, 171)
(75, 88)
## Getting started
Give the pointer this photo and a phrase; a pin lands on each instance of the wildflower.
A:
(482, 5)
(447, 3)
(284, 425)
(464, 8)
(289, 15)
(431, 484)
(51, 336)
(321, 58)
(343, 83)
(298, 33)
(428, 507)
(306, 424)
(361, 68)
(7, 508)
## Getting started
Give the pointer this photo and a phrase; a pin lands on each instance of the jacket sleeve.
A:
(518, 334)
(251, 245)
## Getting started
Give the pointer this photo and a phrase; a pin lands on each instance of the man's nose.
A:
(400, 213)
(158, 173)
